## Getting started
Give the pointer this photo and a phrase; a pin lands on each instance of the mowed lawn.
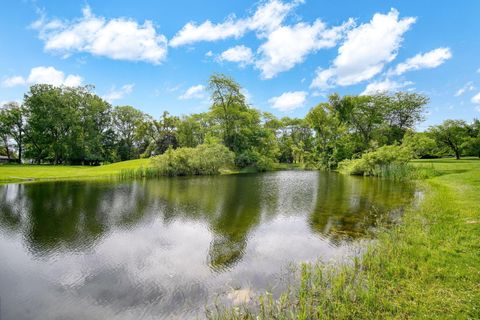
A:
(18, 173)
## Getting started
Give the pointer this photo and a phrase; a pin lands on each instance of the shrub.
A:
(254, 159)
(421, 145)
(201, 160)
(380, 162)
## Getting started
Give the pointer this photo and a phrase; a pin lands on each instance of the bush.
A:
(421, 145)
(381, 162)
(254, 159)
(205, 159)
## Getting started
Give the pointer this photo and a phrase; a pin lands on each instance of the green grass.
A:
(18, 173)
(427, 267)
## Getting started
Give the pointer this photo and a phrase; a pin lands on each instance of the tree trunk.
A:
(457, 154)
(20, 150)
(5, 141)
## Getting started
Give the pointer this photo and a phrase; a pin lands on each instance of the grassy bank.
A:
(18, 173)
(428, 267)
(126, 169)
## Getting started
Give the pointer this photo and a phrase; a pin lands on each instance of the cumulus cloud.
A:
(247, 95)
(268, 16)
(119, 39)
(365, 51)
(50, 75)
(287, 46)
(386, 85)
(194, 92)
(239, 54)
(46, 75)
(467, 87)
(13, 81)
(288, 101)
(476, 99)
(284, 45)
(117, 94)
(428, 60)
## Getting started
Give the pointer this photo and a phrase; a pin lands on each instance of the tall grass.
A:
(405, 172)
(141, 172)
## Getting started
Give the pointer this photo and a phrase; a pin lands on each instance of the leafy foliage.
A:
(205, 159)
(375, 162)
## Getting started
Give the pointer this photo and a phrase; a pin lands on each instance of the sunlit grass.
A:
(16, 173)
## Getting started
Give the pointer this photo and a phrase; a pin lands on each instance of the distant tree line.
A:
(65, 125)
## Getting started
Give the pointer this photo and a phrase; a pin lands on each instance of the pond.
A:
(166, 248)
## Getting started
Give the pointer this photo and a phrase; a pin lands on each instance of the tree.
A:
(192, 129)
(4, 130)
(363, 114)
(452, 134)
(328, 131)
(420, 144)
(12, 123)
(95, 122)
(292, 135)
(126, 120)
(471, 143)
(228, 109)
(51, 119)
(66, 124)
(403, 111)
(158, 135)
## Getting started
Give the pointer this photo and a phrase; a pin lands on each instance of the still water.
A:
(167, 248)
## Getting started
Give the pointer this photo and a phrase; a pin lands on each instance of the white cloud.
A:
(386, 85)
(365, 51)
(267, 17)
(13, 81)
(288, 101)
(50, 75)
(287, 46)
(476, 99)
(119, 39)
(239, 54)
(117, 94)
(247, 94)
(194, 92)
(45, 75)
(428, 60)
(467, 87)
(207, 31)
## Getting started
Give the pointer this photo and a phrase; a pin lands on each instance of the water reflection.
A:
(159, 248)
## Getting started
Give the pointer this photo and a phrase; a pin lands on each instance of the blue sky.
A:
(288, 55)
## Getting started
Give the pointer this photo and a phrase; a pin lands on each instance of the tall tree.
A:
(52, 117)
(471, 143)
(158, 135)
(328, 131)
(192, 130)
(228, 109)
(452, 134)
(126, 121)
(12, 122)
(363, 114)
(403, 110)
